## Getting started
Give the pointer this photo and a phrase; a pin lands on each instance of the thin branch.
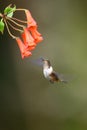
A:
(21, 9)
(22, 26)
(1, 15)
(14, 27)
(9, 30)
(22, 21)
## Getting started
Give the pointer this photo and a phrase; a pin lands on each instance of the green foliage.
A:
(2, 26)
(9, 11)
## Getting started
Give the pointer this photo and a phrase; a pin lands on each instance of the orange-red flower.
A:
(28, 29)
(30, 20)
(28, 39)
(24, 51)
(36, 35)
(30, 36)
(32, 27)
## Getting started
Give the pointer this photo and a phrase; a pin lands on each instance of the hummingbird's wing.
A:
(65, 78)
(37, 62)
(54, 77)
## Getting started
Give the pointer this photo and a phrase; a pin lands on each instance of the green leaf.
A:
(9, 10)
(10, 14)
(2, 26)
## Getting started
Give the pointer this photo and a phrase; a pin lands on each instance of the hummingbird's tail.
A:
(64, 78)
(63, 81)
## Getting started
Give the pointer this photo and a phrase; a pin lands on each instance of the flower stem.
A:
(22, 26)
(1, 15)
(22, 21)
(20, 9)
(14, 37)
(14, 27)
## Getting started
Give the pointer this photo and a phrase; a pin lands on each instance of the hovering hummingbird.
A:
(49, 73)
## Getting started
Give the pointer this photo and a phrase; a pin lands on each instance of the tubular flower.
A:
(24, 52)
(27, 28)
(36, 35)
(28, 39)
(32, 27)
(30, 21)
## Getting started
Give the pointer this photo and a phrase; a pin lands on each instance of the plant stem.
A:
(1, 15)
(14, 37)
(22, 26)
(22, 21)
(20, 9)
(14, 27)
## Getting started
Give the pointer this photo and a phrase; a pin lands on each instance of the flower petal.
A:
(32, 27)
(26, 54)
(27, 38)
(24, 51)
(36, 35)
(30, 20)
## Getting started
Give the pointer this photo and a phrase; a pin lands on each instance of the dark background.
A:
(27, 100)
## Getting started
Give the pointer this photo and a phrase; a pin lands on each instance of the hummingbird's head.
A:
(46, 62)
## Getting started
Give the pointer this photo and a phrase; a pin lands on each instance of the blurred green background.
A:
(27, 100)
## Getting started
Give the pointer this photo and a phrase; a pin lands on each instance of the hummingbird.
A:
(49, 73)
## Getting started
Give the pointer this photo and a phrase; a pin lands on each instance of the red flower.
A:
(36, 35)
(28, 39)
(32, 27)
(30, 20)
(24, 51)
(30, 36)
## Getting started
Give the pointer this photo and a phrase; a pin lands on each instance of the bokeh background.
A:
(27, 100)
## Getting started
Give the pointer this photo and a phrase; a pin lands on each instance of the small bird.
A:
(49, 73)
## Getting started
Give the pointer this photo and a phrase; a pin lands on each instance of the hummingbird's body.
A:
(48, 71)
